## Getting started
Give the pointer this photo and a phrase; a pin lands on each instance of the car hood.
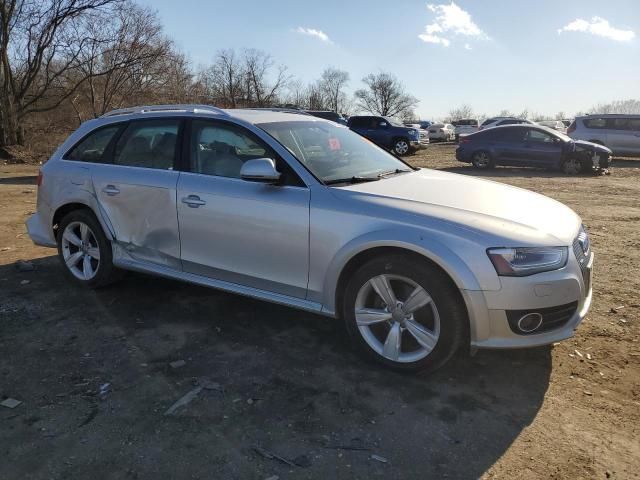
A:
(590, 146)
(489, 209)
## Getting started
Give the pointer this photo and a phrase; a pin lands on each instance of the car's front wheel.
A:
(572, 166)
(401, 147)
(85, 251)
(405, 314)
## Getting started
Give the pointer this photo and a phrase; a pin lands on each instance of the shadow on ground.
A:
(25, 180)
(289, 384)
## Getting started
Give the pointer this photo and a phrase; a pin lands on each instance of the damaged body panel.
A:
(141, 206)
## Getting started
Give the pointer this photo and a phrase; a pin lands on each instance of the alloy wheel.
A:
(80, 250)
(481, 160)
(397, 318)
(572, 166)
(401, 147)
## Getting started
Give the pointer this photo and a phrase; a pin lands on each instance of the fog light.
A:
(530, 322)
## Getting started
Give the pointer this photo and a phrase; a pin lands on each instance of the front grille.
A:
(583, 255)
(424, 137)
(552, 317)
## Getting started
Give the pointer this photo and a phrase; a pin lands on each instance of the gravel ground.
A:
(279, 392)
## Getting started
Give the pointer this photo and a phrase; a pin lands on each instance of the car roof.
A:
(610, 115)
(250, 115)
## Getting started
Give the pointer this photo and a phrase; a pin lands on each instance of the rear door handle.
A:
(111, 190)
(193, 201)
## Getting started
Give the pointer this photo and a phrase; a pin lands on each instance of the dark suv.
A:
(389, 134)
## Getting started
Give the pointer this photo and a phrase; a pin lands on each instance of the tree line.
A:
(65, 61)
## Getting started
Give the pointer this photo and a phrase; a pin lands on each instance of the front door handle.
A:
(193, 201)
(111, 190)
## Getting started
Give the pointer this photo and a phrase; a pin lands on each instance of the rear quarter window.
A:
(92, 147)
(595, 122)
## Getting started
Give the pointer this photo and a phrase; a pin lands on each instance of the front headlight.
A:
(413, 133)
(520, 262)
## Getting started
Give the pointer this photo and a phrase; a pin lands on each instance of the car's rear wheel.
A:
(404, 314)
(482, 160)
(572, 166)
(85, 251)
(401, 147)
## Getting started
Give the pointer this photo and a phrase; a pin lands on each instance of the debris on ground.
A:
(24, 266)
(184, 400)
(25, 282)
(587, 393)
(177, 364)
(271, 456)
(273, 477)
(378, 458)
(616, 309)
(105, 388)
(302, 461)
(579, 354)
(207, 384)
(10, 403)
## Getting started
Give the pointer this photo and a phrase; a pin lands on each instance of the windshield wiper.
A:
(354, 179)
(392, 172)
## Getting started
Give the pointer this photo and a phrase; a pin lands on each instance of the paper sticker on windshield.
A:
(334, 143)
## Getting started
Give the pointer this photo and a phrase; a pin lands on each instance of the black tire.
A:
(105, 272)
(482, 160)
(401, 146)
(451, 310)
(572, 166)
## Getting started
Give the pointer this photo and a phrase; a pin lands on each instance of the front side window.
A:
(634, 124)
(148, 144)
(537, 136)
(93, 146)
(332, 152)
(221, 150)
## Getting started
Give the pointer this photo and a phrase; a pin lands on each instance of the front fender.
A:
(408, 239)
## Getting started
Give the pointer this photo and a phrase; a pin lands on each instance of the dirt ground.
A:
(92, 369)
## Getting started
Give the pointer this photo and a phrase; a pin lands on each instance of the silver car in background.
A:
(620, 133)
(301, 211)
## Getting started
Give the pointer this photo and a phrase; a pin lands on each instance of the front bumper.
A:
(488, 309)
(418, 144)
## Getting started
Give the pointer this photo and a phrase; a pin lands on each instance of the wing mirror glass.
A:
(261, 170)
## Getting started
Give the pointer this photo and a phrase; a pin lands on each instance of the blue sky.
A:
(501, 54)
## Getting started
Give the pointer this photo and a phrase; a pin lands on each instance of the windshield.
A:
(332, 152)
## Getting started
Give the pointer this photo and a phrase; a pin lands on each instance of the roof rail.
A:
(165, 108)
(281, 109)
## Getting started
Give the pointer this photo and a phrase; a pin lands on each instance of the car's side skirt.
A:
(129, 264)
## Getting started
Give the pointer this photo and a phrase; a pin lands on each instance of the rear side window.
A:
(93, 146)
(509, 134)
(148, 144)
(618, 124)
(595, 122)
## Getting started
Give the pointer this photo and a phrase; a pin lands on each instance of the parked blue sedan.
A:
(532, 146)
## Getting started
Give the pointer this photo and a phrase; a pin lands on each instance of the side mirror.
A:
(261, 170)
(383, 125)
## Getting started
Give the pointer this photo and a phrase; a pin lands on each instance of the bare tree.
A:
(40, 42)
(618, 106)
(332, 84)
(223, 81)
(261, 86)
(384, 95)
(462, 112)
(125, 63)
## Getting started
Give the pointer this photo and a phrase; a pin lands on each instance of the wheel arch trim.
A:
(410, 240)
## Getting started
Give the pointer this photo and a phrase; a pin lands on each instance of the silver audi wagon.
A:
(297, 210)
